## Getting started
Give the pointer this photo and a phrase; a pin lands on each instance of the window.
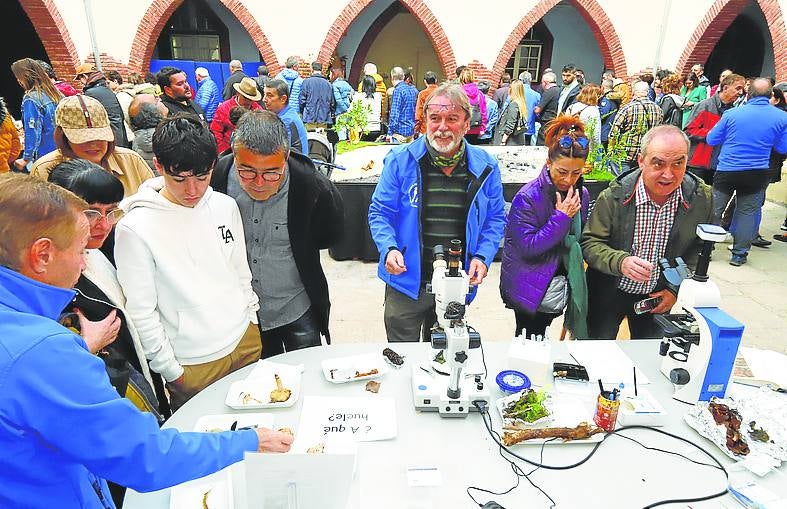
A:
(533, 53)
(527, 57)
(201, 48)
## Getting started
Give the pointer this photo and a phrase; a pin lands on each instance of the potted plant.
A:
(354, 120)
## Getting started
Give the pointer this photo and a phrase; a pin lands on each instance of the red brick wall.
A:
(54, 35)
(597, 20)
(718, 18)
(159, 13)
(421, 12)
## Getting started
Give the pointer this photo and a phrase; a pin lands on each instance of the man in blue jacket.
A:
(276, 100)
(316, 102)
(747, 135)
(208, 95)
(432, 190)
(292, 77)
(63, 427)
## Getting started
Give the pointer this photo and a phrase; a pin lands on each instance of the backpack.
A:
(476, 120)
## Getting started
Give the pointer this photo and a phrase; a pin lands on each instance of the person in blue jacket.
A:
(292, 77)
(64, 430)
(38, 111)
(431, 191)
(208, 95)
(747, 135)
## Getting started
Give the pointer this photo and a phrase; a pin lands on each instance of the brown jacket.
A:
(124, 163)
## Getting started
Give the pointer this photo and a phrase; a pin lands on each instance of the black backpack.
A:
(476, 120)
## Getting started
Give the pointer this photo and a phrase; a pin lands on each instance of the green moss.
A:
(346, 146)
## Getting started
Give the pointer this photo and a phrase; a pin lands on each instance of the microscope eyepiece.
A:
(454, 257)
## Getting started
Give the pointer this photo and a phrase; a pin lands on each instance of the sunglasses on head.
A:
(567, 140)
(437, 108)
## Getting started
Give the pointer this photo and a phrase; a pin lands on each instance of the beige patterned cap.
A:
(83, 119)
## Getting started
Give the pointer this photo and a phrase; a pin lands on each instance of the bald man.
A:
(236, 75)
(746, 134)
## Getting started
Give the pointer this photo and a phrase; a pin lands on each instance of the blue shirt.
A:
(298, 139)
(747, 134)
(38, 116)
(402, 117)
(532, 98)
(492, 116)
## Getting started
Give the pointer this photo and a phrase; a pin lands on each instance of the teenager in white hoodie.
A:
(181, 260)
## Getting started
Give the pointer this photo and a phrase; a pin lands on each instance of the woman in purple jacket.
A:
(541, 238)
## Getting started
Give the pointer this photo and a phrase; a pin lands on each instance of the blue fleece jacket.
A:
(747, 134)
(294, 82)
(209, 97)
(63, 427)
(395, 212)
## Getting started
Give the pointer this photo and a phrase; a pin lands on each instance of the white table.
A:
(620, 474)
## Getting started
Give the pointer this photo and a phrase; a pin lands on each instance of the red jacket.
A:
(221, 126)
(703, 117)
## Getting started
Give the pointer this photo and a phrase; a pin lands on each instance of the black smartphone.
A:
(645, 305)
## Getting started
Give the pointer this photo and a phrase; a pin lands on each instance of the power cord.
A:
(483, 409)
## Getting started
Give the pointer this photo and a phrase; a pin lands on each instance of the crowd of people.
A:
(153, 240)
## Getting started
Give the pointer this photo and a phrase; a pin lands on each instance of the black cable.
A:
(496, 437)
(516, 468)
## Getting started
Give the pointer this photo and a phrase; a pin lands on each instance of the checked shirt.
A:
(652, 226)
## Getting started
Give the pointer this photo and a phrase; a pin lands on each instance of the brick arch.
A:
(594, 16)
(54, 35)
(159, 13)
(716, 21)
(418, 8)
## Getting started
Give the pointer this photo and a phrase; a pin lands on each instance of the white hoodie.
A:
(186, 277)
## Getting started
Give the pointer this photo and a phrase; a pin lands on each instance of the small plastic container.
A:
(511, 381)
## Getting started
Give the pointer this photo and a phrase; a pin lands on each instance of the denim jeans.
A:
(302, 333)
(746, 217)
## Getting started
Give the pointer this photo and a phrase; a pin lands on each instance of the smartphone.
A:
(646, 305)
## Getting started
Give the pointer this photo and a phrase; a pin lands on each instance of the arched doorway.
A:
(244, 35)
(729, 36)
(38, 32)
(583, 33)
(388, 33)
(742, 48)
(204, 30)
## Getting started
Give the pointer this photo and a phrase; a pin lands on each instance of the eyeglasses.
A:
(566, 141)
(437, 108)
(267, 176)
(112, 217)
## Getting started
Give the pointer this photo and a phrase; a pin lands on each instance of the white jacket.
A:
(101, 273)
(186, 277)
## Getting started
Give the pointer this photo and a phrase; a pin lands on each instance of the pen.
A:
(635, 380)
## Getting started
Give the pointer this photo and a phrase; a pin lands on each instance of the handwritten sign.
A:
(336, 420)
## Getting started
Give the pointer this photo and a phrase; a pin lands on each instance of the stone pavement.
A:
(755, 294)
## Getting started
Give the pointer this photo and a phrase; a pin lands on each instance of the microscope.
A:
(700, 340)
(452, 396)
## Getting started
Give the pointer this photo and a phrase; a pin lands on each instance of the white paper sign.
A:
(329, 420)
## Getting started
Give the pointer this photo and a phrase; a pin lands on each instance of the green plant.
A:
(356, 118)
(601, 160)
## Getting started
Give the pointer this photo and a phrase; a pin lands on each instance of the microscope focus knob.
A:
(679, 376)
(460, 357)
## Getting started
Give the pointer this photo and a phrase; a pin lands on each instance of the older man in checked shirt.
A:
(643, 216)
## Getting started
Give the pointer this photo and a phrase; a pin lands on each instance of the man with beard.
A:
(431, 191)
(176, 92)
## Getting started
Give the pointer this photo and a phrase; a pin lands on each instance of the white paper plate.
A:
(259, 385)
(344, 369)
(223, 422)
(568, 411)
(191, 494)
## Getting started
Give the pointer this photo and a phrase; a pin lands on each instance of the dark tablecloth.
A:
(357, 243)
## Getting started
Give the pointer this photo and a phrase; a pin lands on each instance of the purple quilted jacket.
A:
(533, 243)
